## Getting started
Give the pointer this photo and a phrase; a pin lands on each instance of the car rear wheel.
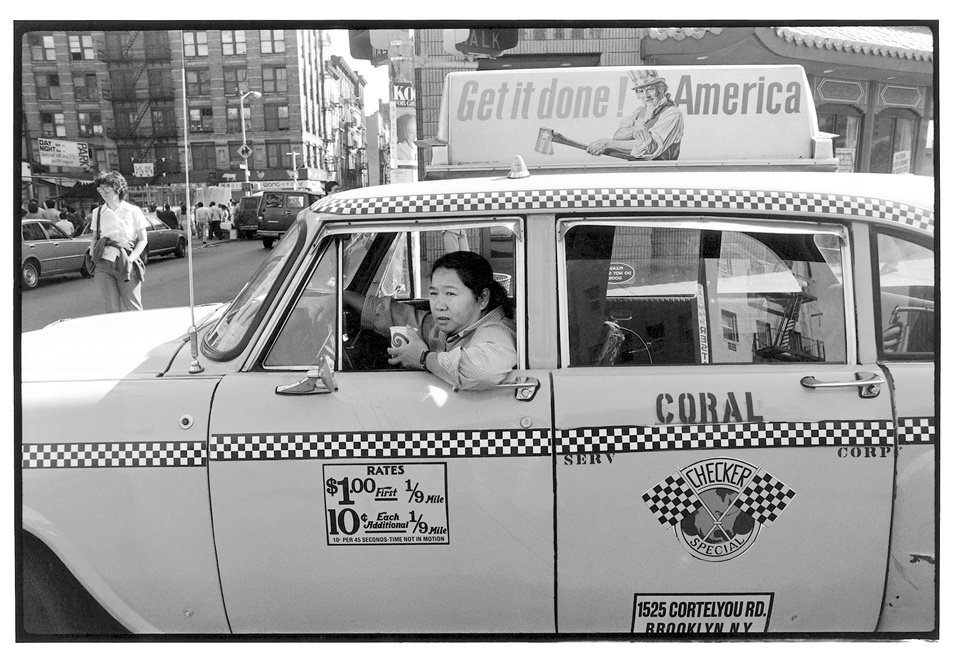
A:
(181, 249)
(86, 270)
(268, 242)
(30, 274)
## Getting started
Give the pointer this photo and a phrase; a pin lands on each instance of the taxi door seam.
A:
(553, 458)
(893, 491)
(213, 528)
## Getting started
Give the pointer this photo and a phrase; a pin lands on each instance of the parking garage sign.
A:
(69, 154)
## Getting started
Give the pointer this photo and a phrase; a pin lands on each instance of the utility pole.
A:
(294, 154)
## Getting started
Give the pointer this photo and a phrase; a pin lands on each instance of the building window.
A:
(233, 118)
(558, 33)
(164, 120)
(577, 33)
(85, 86)
(90, 123)
(125, 118)
(198, 82)
(234, 42)
(277, 154)
(48, 86)
(201, 119)
(234, 81)
(41, 47)
(271, 41)
(845, 122)
(195, 44)
(892, 145)
(81, 47)
(276, 117)
(160, 82)
(156, 44)
(729, 323)
(233, 152)
(51, 124)
(539, 33)
(203, 156)
(274, 79)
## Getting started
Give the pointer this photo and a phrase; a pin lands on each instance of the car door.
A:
(724, 461)
(904, 292)
(68, 253)
(393, 504)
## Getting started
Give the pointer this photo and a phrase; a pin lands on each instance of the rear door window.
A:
(907, 308)
(659, 295)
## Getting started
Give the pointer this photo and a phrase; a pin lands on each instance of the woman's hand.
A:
(407, 355)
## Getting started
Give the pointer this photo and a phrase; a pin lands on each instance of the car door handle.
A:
(869, 383)
(526, 388)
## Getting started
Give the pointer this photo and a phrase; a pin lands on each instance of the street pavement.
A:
(220, 270)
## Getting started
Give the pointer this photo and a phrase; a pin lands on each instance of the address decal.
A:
(702, 614)
(386, 503)
(717, 506)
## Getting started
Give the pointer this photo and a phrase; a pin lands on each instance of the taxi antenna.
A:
(195, 366)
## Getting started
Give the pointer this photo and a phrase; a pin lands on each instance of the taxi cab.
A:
(721, 422)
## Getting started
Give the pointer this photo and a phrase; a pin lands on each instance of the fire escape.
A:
(132, 101)
(786, 344)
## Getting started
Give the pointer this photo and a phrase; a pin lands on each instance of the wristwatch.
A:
(423, 358)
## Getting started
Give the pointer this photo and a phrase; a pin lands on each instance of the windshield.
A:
(230, 334)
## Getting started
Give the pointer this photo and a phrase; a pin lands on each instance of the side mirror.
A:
(319, 380)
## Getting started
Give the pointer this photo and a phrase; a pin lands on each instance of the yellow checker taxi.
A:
(721, 419)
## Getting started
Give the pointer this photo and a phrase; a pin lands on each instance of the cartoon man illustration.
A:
(654, 130)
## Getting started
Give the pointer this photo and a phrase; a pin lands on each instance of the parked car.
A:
(277, 209)
(722, 419)
(161, 240)
(45, 250)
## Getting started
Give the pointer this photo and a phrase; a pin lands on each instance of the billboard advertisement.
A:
(589, 116)
(68, 154)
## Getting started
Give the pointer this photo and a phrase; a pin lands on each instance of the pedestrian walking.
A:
(202, 220)
(167, 216)
(118, 241)
(215, 219)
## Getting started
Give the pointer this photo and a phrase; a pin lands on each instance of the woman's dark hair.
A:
(476, 274)
(114, 180)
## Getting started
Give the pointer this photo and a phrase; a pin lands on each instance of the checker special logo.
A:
(717, 506)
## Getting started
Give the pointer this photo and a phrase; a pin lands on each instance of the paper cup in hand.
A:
(400, 335)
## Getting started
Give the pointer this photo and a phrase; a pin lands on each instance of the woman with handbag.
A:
(119, 240)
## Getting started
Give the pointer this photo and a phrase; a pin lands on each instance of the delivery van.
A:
(721, 420)
(246, 215)
(277, 209)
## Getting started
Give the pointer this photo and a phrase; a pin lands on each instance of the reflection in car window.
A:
(32, 233)
(311, 326)
(227, 338)
(53, 232)
(655, 295)
(907, 297)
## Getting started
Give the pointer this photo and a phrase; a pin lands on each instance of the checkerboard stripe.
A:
(380, 444)
(764, 498)
(600, 440)
(918, 430)
(606, 198)
(114, 455)
(672, 500)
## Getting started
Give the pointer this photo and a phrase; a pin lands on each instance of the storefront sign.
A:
(901, 162)
(386, 503)
(69, 154)
(847, 158)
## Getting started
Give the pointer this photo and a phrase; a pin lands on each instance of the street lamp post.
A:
(243, 134)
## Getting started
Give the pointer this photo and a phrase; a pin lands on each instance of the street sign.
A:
(481, 41)
(244, 151)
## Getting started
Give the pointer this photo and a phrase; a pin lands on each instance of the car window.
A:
(296, 201)
(656, 295)
(53, 232)
(231, 332)
(904, 276)
(32, 232)
(273, 200)
(378, 265)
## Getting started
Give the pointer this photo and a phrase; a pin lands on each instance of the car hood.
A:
(108, 346)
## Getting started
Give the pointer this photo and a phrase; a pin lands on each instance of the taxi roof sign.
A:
(630, 117)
